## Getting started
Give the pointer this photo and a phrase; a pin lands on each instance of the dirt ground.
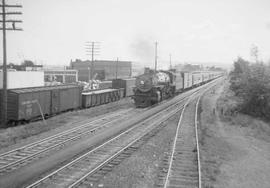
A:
(20, 135)
(235, 147)
(142, 168)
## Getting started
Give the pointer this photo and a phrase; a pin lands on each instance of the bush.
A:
(251, 82)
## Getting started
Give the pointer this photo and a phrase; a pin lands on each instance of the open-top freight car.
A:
(99, 97)
(30, 103)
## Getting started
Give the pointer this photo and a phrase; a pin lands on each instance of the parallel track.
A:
(21, 156)
(90, 163)
(87, 168)
(182, 168)
(14, 159)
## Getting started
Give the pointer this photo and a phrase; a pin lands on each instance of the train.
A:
(154, 86)
(28, 104)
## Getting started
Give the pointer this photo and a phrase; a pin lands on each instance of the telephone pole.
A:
(11, 27)
(170, 61)
(92, 49)
(156, 56)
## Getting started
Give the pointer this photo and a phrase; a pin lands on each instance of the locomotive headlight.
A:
(142, 82)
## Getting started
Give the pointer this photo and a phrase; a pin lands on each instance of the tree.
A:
(239, 76)
(27, 63)
(251, 82)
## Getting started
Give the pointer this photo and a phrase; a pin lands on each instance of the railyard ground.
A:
(14, 137)
(235, 148)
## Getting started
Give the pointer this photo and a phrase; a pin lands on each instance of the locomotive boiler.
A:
(152, 87)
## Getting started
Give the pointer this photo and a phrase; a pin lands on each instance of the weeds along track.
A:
(90, 167)
(24, 155)
(181, 168)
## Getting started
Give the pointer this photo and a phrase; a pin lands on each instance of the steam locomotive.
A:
(155, 86)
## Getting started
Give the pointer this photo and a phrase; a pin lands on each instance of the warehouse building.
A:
(102, 69)
(62, 76)
(22, 79)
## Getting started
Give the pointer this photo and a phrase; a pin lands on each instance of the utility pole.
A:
(11, 27)
(156, 56)
(170, 61)
(116, 71)
(92, 49)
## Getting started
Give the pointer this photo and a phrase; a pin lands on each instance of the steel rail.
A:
(54, 138)
(174, 143)
(75, 184)
(197, 141)
(210, 85)
(197, 136)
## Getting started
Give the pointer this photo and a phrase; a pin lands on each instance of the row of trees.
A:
(251, 82)
(25, 63)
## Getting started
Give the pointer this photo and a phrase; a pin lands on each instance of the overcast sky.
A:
(55, 31)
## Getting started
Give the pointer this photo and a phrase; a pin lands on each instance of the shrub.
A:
(251, 82)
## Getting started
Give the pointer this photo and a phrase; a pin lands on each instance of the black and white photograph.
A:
(134, 93)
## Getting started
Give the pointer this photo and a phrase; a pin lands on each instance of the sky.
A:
(208, 31)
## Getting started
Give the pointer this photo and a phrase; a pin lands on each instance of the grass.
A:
(229, 102)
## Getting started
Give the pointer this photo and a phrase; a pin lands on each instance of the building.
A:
(102, 69)
(62, 76)
(23, 79)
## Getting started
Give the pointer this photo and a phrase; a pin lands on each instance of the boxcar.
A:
(28, 103)
(187, 80)
(196, 78)
(65, 97)
(127, 84)
(179, 82)
(206, 77)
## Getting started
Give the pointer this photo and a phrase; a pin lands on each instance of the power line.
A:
(156, 56)
(92, 49)
(170, 61)
(4, 28)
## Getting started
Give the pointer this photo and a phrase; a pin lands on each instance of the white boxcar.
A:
(179, 82)
(187, 80)
(197, 78)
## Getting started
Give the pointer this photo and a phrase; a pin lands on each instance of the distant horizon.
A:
(151, 65)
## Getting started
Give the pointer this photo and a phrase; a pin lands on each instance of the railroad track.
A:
(66, 177)
(85, 170)
(181, 168)
(14, 159)
(24, 155)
